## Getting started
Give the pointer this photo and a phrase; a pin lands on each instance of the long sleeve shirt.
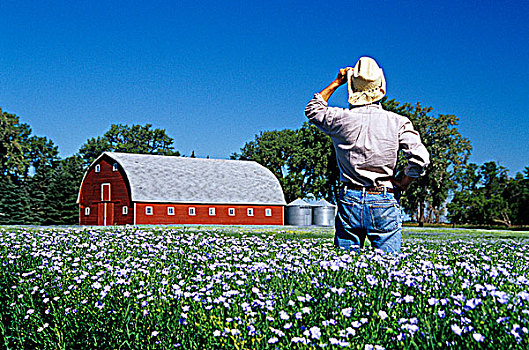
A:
(367, 140)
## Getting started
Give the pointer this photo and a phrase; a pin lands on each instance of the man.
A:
(367, 139)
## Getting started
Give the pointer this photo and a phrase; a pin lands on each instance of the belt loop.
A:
(385, 191)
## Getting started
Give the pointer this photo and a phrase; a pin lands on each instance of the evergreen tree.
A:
(63, 191)
(14, 204)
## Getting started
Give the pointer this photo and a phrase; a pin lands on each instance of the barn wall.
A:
(221, 217)
(119, 196)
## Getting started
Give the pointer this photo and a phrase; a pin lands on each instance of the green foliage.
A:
(274, 150)
(449, 153)
(488, 196)
(128, 139)
(63, 191)
(12, 151)
(14, 202)
(303, 160)
(20, 152)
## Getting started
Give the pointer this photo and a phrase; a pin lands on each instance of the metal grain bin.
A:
(323, 213)
(299, 213)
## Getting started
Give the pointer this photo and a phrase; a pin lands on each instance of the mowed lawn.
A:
(259, 288)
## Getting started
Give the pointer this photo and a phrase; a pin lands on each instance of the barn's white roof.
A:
(154, 178)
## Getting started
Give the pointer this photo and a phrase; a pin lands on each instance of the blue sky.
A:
(214, 74)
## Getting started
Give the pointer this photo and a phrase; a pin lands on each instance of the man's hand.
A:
(339, 81)
(342, 76)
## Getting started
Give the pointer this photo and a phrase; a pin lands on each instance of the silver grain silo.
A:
(323, 213)
(299, 213)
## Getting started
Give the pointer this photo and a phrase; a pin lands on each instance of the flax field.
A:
(267, 288)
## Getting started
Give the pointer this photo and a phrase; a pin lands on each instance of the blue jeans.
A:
(375, 216)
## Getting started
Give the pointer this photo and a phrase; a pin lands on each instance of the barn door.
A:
(105, 214)
(110, 214)
(101, 214)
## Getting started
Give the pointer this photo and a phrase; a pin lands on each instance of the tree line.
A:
(37, 187)
(464, 193)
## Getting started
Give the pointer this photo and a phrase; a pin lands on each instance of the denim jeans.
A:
(375, 216)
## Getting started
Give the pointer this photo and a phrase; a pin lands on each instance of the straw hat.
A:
(366, 83)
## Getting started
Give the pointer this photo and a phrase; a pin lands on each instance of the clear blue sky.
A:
(216, 73)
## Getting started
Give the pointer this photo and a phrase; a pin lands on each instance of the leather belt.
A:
(369, 189)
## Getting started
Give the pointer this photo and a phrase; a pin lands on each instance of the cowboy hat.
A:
(365, 82)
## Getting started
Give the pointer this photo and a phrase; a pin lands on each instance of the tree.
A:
(13, 146)
(129, 139)
(14, 205)
(63, 191)
(303, 160)
(43, 157)
(449, 152)
(273, 149)
(520, 196)
(487, 196)
(313, 166)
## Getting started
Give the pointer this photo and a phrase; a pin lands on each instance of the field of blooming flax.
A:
(161, 288)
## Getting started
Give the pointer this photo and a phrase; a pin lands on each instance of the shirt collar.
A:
(376, 104)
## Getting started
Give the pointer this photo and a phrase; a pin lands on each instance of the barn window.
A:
(211, 211)
(115, 167)
(87, 211)
(231, 211)
(98, 168)
(268, 212)
(170, 210)
(250, 211)
(148, 211)
(191, 211)
(124, 210)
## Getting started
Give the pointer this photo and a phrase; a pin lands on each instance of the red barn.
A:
(138, 189)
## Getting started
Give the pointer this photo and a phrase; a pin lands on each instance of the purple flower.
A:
(516, 330)
(502, 319)
(382, 314)
(503, 298)
(478, 337)
(456, 329)
(371, 280)
(473, 303)
(347, 312)
(433, 301)
(273, 340)
(315, 332)
(409, 298)
(300, 340)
